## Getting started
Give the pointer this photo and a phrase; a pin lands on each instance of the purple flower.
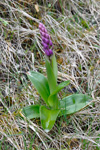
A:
(46, 40)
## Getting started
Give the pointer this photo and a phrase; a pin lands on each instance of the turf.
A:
(74, 27)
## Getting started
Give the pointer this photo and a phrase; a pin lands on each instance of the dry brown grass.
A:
(74, 27)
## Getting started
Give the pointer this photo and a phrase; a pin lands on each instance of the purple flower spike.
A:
(46, 40)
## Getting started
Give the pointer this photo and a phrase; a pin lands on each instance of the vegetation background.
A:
(74, 27)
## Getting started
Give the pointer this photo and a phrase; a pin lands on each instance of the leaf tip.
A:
(47, 130)
(29, 74)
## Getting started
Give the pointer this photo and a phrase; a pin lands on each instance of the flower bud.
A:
(46, 41)
(50, 43)
(47, 36)
(45, 45)
(42, 33)
(50, 52)
(47, 53)
(40, 26)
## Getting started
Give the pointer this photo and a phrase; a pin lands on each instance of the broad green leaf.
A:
(73, 103)
(41, 84)
(52, 99)
(48, 118)
(54, 66)
(59, 87)
(31, 111)
(50, 75)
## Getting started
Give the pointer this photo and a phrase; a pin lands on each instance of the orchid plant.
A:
(48, 89)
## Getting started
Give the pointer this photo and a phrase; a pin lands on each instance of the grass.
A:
(74, 29)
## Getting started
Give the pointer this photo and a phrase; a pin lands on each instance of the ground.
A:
(74, 27)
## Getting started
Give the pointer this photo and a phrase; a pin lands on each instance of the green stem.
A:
(56, 102)
(50, 75)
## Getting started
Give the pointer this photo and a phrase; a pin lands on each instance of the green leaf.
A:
(52, 99)
(73, 103)
(41, 84)
(50, 75)
(60, 86)
(54, 66)
(48, 118)
(31, 111)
